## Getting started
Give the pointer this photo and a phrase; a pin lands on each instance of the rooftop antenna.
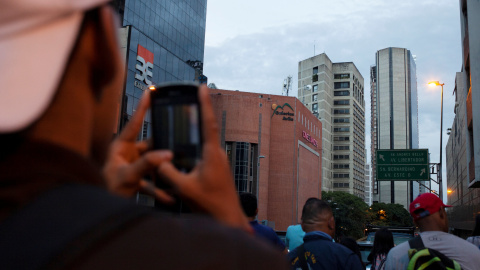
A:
(287, 85)
(314, 47)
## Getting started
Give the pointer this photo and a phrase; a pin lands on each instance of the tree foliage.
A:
(383, 214)
(350, 213)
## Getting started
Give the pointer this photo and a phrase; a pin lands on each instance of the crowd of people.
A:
(66, 186)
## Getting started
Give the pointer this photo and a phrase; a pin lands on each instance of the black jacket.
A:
(322, 253)
(152, 241)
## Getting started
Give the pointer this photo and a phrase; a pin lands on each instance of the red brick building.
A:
(274, 146)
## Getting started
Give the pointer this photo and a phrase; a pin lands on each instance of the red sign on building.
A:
(309, 138)
(145, 57)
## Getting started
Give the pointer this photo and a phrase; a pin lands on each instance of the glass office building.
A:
(395, 117)
(163, 41)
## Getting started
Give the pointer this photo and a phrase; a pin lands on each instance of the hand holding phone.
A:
(176, 123)
(209, 187)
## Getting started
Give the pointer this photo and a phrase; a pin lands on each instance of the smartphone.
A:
(176, 124)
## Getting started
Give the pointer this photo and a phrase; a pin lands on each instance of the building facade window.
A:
(341, 156)
(340, 85)
(314, 97)
(341, 120)
(341, 129)
(341, 185)
(341, 138)
(341, 102)
(341, 166)
(315, 70)
(241, 166)
(242, 157)
(315, 108)
(341, 93)
(341, 111)
(341, 147)
(341, 76)
(315, 88)
(341, 175)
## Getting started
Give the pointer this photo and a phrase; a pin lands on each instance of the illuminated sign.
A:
(145, 57)
(309, 138)
(286, 115)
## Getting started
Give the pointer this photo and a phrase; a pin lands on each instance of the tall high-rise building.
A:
(161, 41)
(373, 131)
(463, 147)
(395, 116)
(334, 92)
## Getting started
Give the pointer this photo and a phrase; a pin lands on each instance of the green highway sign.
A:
(403, 164)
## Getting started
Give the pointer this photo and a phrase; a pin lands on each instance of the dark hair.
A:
(351, 244)
(383, 242)
(314, 207)
(476, 230)
(249, 204)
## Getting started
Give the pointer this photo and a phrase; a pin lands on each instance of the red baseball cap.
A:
(429, 203)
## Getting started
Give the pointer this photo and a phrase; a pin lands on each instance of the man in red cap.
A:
(428, 213)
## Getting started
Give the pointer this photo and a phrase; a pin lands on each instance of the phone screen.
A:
(176, 125)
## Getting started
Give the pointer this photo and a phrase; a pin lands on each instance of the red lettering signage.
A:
(145, 57)
(309, 138)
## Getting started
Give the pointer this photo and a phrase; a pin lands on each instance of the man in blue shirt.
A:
(250, 207)
(294, 236)
(319, 251)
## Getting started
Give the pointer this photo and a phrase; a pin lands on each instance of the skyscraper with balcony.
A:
(394, 116)
(334, 93)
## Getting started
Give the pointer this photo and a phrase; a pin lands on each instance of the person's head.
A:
(351, 244)
(60, 74)
(317, 216)
(428, 213)
(383, 241)
(249, 204)
(476, 230)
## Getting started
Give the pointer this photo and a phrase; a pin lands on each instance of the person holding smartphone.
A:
(64, 185)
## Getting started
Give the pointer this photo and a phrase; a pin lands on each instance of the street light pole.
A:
(440, 189)
(440, 172)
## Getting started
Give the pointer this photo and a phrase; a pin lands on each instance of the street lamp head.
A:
(435, 83)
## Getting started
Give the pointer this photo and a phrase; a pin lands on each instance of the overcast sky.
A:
(253, 46)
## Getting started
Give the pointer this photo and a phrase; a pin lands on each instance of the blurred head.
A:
(317, 216)
(60, 73)
(351, 244)
(383, 241)
(476, 230)
(249, 204)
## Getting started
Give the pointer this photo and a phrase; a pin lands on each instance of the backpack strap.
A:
(301, 257)
(382, 262)
(60, 225)
(416, 243)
